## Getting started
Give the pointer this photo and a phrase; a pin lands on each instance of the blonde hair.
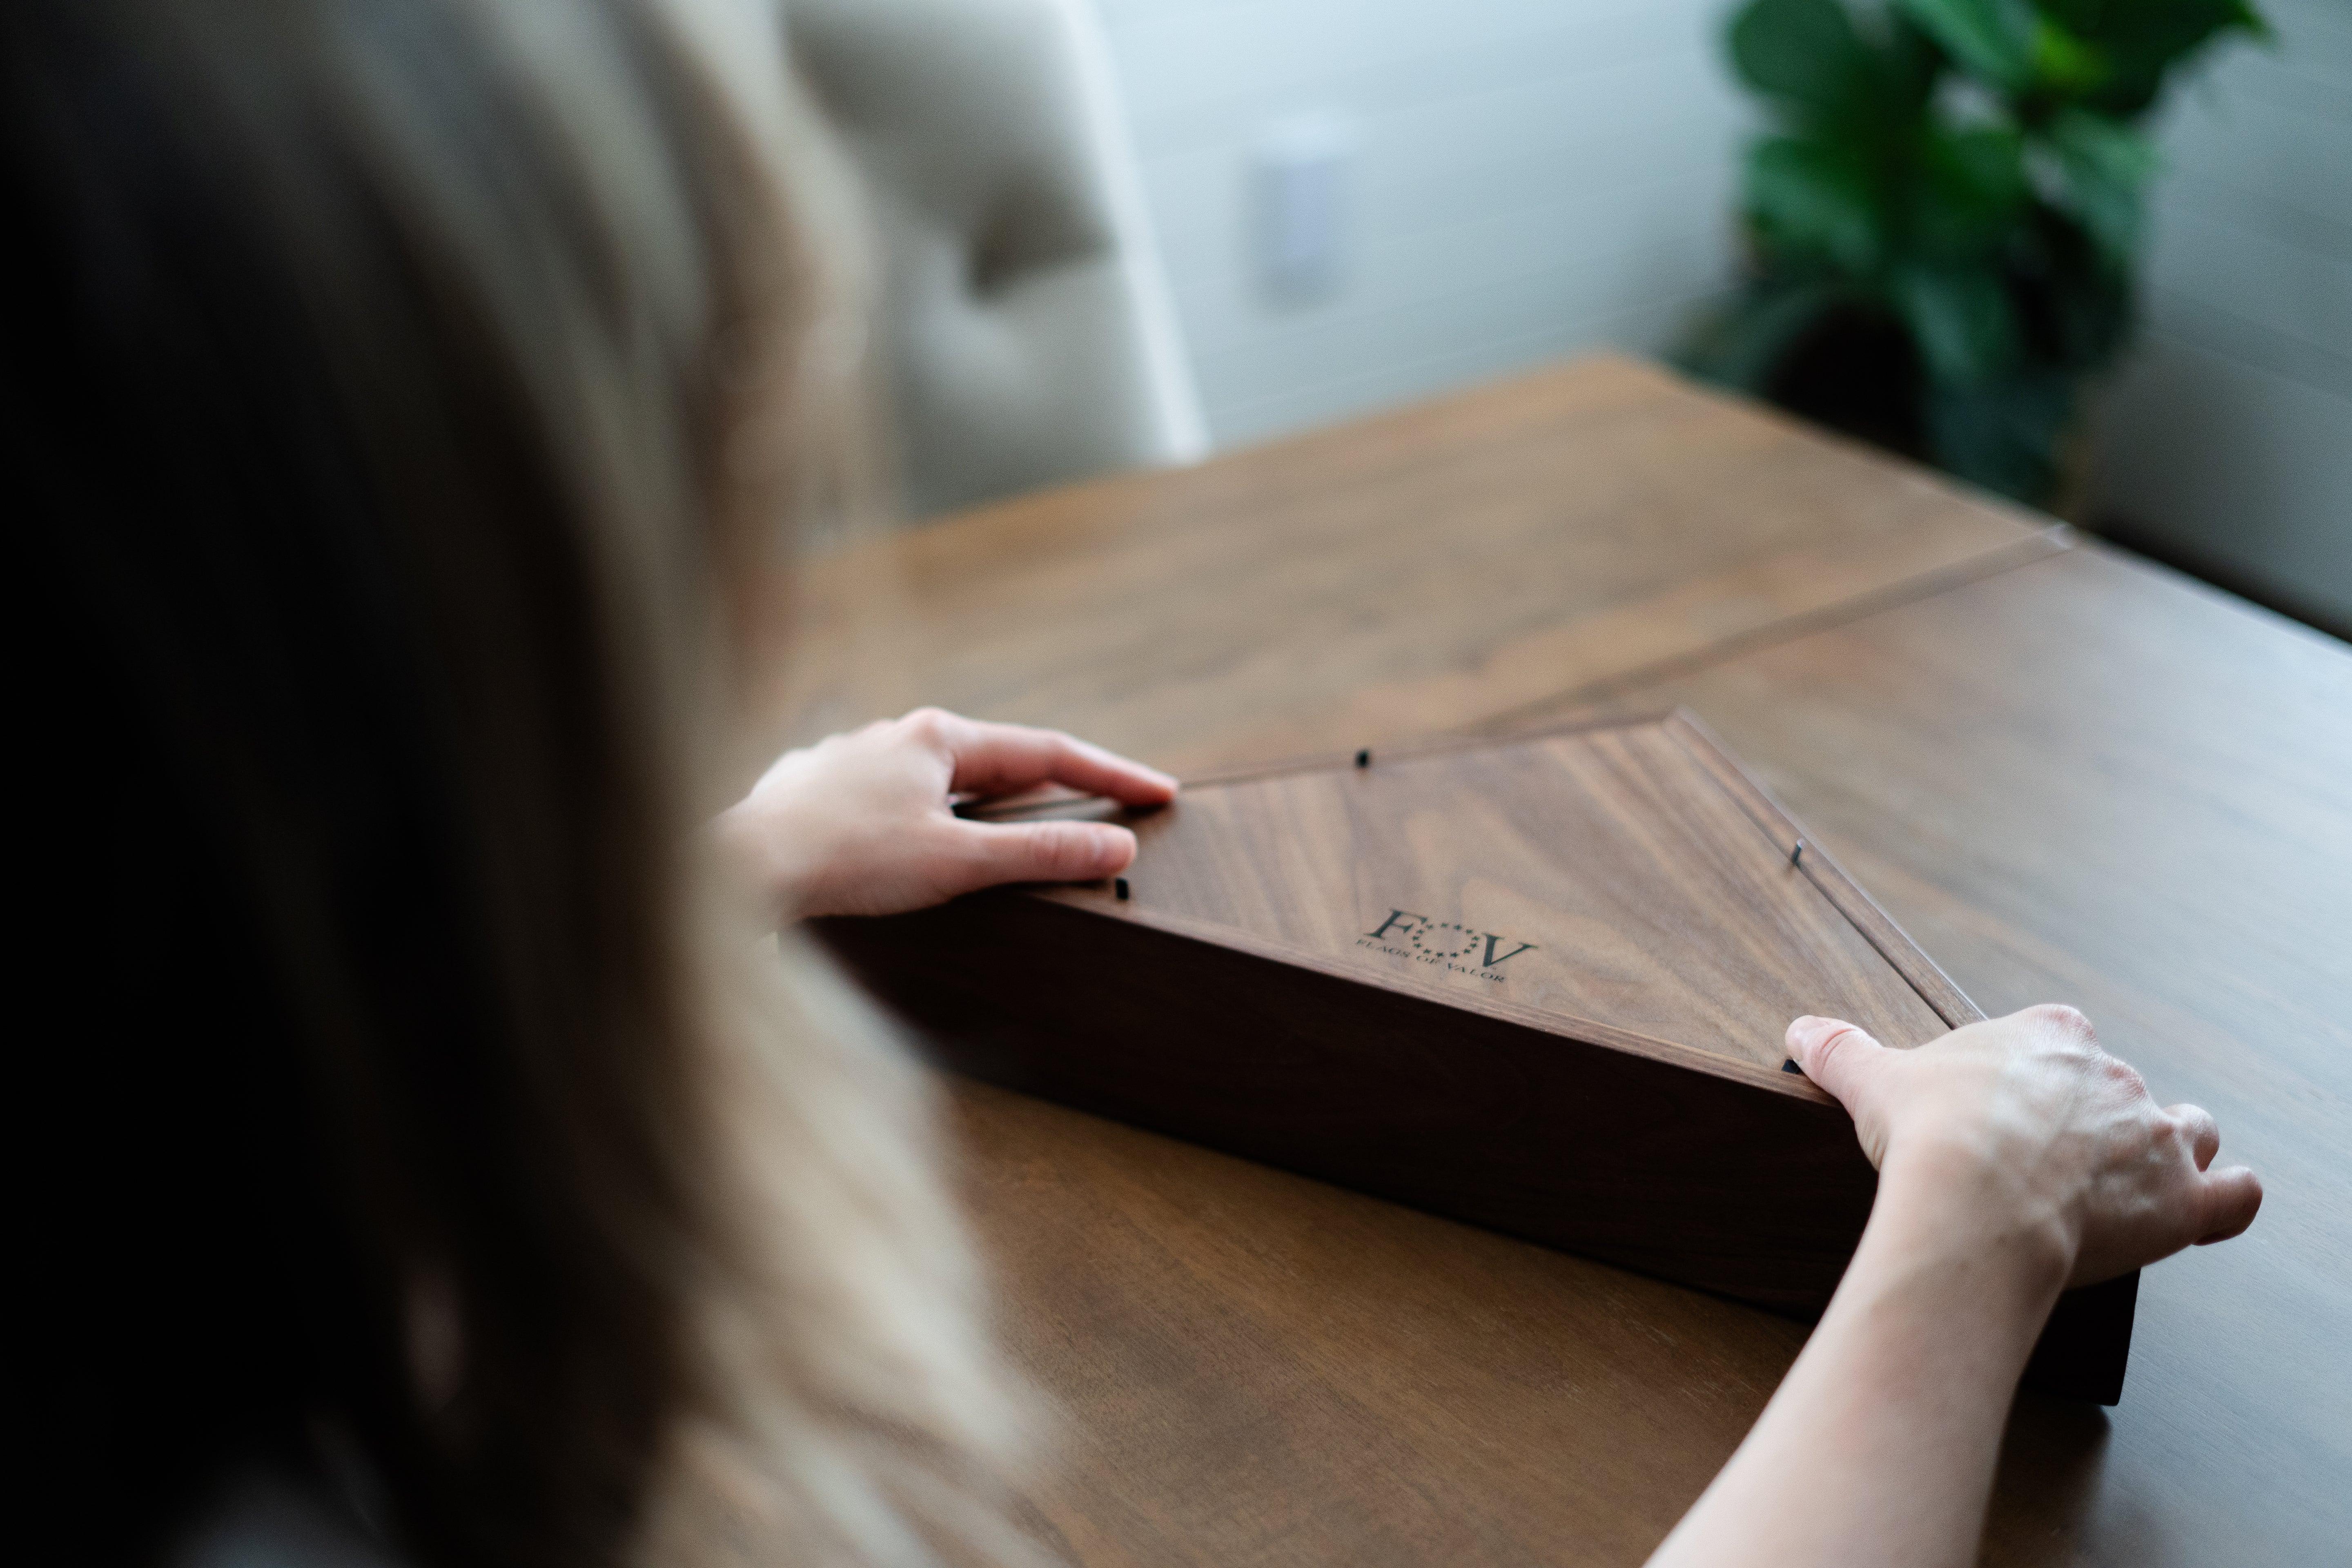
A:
(492, 349)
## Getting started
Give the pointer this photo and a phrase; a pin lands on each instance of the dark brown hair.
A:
(401, 397)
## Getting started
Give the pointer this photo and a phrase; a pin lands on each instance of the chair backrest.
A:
(1028, 328)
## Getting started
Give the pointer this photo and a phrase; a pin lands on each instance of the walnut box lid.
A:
(1538, 985)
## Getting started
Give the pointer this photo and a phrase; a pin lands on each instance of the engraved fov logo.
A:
(1449, 944)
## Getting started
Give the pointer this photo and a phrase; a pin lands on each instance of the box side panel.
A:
(1677, 1173)
(1694, 1178)
(2086, 1345)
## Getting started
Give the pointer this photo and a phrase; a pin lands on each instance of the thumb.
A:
(995, 853)
(1835, 1055)
(2231, 1199)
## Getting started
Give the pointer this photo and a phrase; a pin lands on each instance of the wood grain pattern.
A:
(1931, 983)
(1250, 1368)
(1409, 975)
(2077, 779)
(1622, 883)
(2092, 781)
(1418, 572)
(1719, 1179)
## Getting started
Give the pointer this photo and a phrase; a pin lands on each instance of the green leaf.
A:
(1812, 200)
(1912, 62)
(1969, 190)
(1993, 40)
(1808, 57)
(2144, 39)
(2078, 302)
(2004, 434)
(2063, 63)
(2014, 45)
(1805, 51)
(1961, 319)
(2102, 168)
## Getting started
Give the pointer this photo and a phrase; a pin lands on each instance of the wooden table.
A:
(2069, 775)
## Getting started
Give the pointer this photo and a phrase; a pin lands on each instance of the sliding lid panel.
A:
(1605, 875)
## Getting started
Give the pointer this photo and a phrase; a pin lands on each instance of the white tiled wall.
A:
(1535, 176)
(1540, 177)
(2228, 439)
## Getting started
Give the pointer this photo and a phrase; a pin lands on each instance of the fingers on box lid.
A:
(993, 758)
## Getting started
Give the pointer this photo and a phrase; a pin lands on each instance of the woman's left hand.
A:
(863, 824)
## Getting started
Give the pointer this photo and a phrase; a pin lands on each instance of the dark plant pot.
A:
(1857, 373)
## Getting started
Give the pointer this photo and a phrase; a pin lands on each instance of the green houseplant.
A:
(1943, 227)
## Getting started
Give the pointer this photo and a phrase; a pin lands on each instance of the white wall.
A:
(1536, 176)
(1540, 177)
(2229, 440)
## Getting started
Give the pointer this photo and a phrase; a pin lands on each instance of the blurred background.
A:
(1317, 208)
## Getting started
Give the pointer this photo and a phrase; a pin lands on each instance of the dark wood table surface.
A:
(2068, 775)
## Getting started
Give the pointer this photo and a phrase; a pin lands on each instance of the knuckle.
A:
(933, 728)
(2068, 1022)
(2122, 1074)
(2203, 1133)
(1836, 1045)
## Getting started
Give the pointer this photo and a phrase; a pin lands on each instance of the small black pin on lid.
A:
(1790, 1066)
(1364, 758)
(1119, 885)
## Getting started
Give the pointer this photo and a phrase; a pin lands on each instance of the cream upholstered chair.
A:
(1026, 325)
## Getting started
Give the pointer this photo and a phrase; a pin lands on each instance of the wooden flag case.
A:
(1537, 985)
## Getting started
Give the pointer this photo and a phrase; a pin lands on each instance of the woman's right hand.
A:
(2015, 1158)
(2023, 1124)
